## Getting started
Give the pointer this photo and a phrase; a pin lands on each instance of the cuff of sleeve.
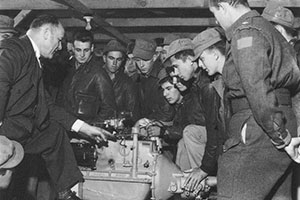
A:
(207, 169)
(77, 125)
(284, 142)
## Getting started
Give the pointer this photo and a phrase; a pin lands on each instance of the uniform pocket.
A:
(87, 105)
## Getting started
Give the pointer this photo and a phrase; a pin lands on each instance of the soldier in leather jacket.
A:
(125, 90)
(188, 130)
(181, 56)
(152, 103)
(87, 90)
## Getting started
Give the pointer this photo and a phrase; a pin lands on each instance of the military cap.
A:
(204, 40)
(114, 45)
(144, 49)
(279, 14)
(163, 76)
(170, 38)
(177, 46)
(6, 24)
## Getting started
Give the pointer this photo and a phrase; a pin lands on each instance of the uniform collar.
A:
(241, 20)
(157, 66)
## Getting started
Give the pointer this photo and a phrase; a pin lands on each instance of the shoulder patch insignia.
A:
(244, 42)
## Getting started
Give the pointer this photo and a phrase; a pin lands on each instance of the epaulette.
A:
(247, 25)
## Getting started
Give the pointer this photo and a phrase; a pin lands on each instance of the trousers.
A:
(190, 149)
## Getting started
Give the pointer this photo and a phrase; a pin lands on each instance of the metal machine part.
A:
(134, 170)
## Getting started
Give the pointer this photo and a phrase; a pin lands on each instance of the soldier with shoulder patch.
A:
(260, 74)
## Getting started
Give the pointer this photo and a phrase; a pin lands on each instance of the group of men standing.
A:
(240, 88)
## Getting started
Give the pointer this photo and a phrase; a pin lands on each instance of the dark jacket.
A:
(153, 105)
(24, 104)
(88, 92)
(189, 111)
(210, 101)
(296, 45)
(126, 94)
(259, 62)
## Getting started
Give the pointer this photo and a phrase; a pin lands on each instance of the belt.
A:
(282, 95)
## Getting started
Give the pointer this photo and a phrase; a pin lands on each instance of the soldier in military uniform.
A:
(259, 74)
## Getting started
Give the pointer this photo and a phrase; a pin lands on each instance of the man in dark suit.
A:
(26, 113)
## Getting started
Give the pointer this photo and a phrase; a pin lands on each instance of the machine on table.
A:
(130, 168)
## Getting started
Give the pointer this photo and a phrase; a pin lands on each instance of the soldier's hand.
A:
(154, 130)
(194, 179)
(293, 149)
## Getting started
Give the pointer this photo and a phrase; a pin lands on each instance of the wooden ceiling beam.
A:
(100, 37)
(20, 16)
(149, 22)
(30, 5)
(126, 4)
(81, 9)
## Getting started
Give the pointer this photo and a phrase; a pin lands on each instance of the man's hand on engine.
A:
(154, 130)
(94, 132)
(293, 149)
(149, 127)
(194, 179)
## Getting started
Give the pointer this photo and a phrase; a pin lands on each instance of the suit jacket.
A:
(24, 104)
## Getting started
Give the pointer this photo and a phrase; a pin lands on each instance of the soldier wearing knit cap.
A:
(114, 54)
(7, 29)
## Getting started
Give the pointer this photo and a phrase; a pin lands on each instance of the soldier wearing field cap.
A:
(166, 43)
(259, 75)
(7, 29)
(181, 56)
(125, 90)
(11, 154)
(282, 18)
(152, 103)
(284, 21)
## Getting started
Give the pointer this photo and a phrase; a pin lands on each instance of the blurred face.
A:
(184, 69)
(171, 93)
(52, 40)
(113, 61)
(209, 60)
(221, 14)
(82, 51)
(144, 66)
(5, 36)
